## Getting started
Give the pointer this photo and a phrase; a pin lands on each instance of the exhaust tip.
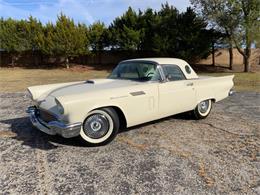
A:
(231, 92)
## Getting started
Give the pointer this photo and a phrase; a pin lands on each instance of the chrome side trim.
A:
(162, 75)
(123, 96)
(136, 93)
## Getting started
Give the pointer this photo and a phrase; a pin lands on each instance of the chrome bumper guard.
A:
(231, 92)
(53, 127)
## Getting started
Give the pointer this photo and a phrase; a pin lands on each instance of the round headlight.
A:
(59, 106)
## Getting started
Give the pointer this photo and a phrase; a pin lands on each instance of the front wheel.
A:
(100, 126)
(203, 109)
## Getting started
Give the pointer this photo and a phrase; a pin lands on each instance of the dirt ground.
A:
(176, 155)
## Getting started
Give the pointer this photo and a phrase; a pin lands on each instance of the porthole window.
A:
(187, 68)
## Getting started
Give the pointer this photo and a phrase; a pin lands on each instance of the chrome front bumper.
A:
(53, 127)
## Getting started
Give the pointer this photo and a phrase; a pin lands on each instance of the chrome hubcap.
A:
(96, 126)
(203, 106)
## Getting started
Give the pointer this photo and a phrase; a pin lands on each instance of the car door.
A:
(141, 104)
(177, 94)
(140, 99)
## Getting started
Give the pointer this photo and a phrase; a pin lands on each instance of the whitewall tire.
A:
(100, 126)
(203, 109)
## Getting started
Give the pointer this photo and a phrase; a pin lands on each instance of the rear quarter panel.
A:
(216, 88)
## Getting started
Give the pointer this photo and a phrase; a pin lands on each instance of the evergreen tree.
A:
(97, 36)
(148, 23)
(13, 37)
(124, 32)
(68, 39)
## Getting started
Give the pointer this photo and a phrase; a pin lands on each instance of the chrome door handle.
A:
(189, 84)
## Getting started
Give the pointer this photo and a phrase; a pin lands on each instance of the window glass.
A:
(173, 73)
(187, 68)
(139, 71)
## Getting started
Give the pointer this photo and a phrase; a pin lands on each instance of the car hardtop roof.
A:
(161, 61)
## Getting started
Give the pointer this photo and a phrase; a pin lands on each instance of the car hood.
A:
(90, 86)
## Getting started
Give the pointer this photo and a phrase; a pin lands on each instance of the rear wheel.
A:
(100, 126)
(203, 109)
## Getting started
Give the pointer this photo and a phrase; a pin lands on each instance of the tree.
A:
(67, 39)
(248, 29)
(34, 31)
(147, 23)
(13, 37)
(166, 31)
(32, 35)
(124, 32)
(193, 40)
(221, 17)
(238, 19)
(46, 40)
(97, 36)
(8, 39)
(182, 35)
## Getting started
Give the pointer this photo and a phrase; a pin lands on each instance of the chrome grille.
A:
(46, 116)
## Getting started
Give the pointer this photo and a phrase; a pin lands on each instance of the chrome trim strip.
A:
(163, 77)
(123, 96)
(136, 93)
(63, 87)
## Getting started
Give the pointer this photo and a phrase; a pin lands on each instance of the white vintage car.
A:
(137, 91)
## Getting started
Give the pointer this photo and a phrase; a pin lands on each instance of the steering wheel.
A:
(150, 74)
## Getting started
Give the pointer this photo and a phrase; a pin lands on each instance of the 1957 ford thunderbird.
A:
(137, 91)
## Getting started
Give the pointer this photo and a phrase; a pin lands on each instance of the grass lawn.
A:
(17, 79)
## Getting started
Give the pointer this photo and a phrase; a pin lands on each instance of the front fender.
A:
(78, 110)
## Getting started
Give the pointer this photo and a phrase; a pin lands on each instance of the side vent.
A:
(90, 82)
(136, 93)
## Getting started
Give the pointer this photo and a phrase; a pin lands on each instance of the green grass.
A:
(17, 79)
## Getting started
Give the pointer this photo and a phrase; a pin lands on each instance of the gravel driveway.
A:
(176, 155)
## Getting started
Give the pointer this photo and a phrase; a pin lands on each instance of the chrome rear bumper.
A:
(53, 127)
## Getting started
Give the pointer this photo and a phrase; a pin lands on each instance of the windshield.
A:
(138, 71)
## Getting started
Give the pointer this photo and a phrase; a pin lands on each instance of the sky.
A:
(86, 11)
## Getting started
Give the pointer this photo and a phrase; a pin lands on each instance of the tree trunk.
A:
(35, 59)
(12, 60)
(247, 65)
(230, 57)
(213, 53)
(67, 63)
(247, 53)
(99, 57)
